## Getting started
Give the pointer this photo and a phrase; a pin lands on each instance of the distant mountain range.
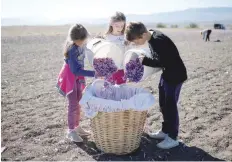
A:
(197, 15)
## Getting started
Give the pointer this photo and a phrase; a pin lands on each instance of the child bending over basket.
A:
(166, 56)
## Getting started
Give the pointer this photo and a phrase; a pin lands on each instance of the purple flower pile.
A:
(134, 70)
(104, 67)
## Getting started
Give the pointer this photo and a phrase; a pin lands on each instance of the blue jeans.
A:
(168, 99)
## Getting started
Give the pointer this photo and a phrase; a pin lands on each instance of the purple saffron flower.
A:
(104, 66)
(134, 70)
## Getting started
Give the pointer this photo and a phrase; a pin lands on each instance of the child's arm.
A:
(75, 67)
(151, 62)
(100, 35)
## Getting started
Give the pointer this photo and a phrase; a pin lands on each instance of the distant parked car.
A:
(219, 26)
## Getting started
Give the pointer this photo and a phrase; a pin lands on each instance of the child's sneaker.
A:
(168, 143)
(73, 136)
(158, 135)
(80, 131)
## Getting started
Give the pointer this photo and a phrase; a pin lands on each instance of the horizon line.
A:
(125, 14)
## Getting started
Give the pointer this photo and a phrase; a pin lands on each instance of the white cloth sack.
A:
(100, 48)
(114, 98)
(89, 49)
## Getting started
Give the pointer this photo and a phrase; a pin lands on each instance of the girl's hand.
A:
(97, 76)
(126, 43)
(100, 36)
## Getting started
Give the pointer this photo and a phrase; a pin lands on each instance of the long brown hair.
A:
(117, 17)
(76, 32)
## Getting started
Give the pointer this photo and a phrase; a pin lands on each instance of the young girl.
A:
(115, 34)
(71, 80)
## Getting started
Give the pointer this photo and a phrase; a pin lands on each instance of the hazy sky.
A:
(55, 9)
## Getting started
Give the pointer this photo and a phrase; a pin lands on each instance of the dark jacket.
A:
(166, 56)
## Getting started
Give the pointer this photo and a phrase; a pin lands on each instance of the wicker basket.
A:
(118, 132)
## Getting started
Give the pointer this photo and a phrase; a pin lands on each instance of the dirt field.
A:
(34, 114)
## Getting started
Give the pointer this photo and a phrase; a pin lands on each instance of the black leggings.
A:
(208, 35)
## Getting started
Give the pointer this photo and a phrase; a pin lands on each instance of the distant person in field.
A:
(206, 34)
(166, 56)
(71, 81)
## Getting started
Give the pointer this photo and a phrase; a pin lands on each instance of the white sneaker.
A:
(80, 131)
(158, 135)
(168, 143)
(74, 137)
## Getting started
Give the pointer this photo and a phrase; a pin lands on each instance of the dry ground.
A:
(34, 114)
